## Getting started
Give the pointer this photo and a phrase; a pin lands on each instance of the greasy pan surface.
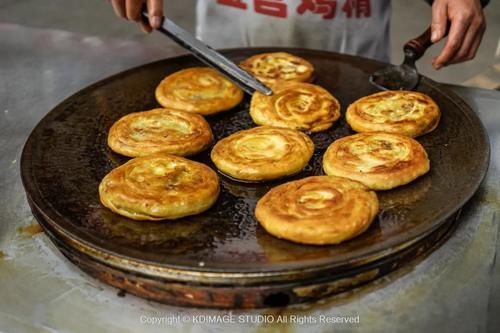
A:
(66, 157)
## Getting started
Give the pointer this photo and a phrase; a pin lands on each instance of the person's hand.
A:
(131, 10)
(466, 30)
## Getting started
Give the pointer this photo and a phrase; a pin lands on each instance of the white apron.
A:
(359, 27)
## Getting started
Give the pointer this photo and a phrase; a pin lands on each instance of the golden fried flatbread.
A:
(381, 161)
(405, 112)
(272, 67)
(159, 186)
(170, 131)
(296, 105)
(317, 210)
(200, 90)
(262, 153)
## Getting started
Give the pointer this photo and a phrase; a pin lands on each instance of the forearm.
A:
(483, 2)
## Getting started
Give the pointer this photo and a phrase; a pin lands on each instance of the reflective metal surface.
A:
(456, 289)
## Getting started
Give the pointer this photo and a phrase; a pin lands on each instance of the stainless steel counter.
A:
(455, 289)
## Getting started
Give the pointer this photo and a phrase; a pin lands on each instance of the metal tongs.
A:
(211, 57)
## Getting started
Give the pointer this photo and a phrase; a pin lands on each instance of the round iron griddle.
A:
(222, 257)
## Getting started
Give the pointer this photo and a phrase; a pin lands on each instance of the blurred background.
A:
(410, 18)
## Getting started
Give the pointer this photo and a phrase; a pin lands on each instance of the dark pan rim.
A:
(97, 247)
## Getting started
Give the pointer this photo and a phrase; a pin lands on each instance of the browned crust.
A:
(317, 210)
(404, 112)
(200, 90)
(263, 153)
(382, 161)
(169, 131)
(296, 105)
(276, 66)
(159, 186)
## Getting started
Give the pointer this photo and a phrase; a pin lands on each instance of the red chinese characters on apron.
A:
(359, 27)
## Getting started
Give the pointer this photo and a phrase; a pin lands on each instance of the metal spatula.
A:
(404, 76)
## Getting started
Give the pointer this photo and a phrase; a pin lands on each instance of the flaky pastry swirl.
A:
(200, 90)
(405, 112)
(170, 131)
(159, 186)
(381, 161)
(296, 105)
(272, 67)
(317, 210)
(262, 153)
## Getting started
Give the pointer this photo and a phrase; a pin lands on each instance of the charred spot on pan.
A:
(278, 299)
